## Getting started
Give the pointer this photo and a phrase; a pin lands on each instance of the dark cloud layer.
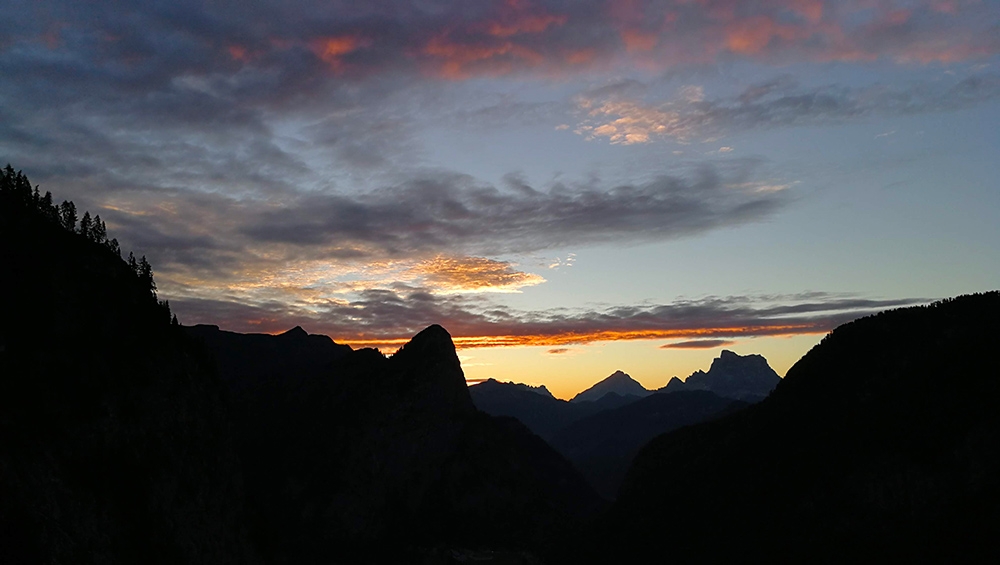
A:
(698, 344)
(387, 317)
(454, 211)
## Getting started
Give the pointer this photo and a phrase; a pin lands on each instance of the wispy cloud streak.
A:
(617, 115)
(387, 318)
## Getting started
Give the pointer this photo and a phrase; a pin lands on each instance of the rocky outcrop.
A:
(741, 377)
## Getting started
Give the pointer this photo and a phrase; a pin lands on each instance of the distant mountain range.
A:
(544, 414)
(882, 443)
(602, 428)
(740, 377)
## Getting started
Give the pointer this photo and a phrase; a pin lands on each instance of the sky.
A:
(569, 187)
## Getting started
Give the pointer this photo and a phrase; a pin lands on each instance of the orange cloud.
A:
(811, 10)
(460, 60)
(753, 35)
(332, 49)
(473, 274)
(581, 56)
(636, 41)
(626, 122)
(535, 23)
(238, 52)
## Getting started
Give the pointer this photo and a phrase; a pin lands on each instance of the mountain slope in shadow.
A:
(603, 445)
(881, 444)
(115, 444)
(383, 458)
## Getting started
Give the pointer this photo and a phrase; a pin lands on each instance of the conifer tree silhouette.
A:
(98, 232)
(146, 274)
(113, 246)
(67, 215)
(85, 225)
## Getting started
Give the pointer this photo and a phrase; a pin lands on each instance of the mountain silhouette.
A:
(740, 377)
(115, 439)
(603, 445)
(618, 383)
(126, 438)
(490, 385)
(381, 458)
(881, 444)
(258, 356)
(542, 413)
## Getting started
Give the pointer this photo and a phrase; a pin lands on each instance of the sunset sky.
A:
(569, 187)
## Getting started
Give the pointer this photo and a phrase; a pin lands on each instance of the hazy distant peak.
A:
(741, 377)
(493, 384)
(618, 382)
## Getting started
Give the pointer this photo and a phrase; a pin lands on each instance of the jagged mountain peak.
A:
(741, 377)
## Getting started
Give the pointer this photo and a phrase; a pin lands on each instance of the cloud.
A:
(450, 211)
(781, 102)
(473, 274)
(387, 318)
(698, 344)
(558, 350)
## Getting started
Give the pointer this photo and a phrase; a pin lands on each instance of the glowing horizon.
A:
(574, 186)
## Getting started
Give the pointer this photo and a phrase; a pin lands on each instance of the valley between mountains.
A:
(126, 437)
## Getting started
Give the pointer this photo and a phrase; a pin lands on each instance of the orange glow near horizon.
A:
(583, 338)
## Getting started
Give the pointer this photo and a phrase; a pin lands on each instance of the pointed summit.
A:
(618, 382)
(296, 332)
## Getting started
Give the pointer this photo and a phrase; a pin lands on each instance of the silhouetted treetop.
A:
(17, 196)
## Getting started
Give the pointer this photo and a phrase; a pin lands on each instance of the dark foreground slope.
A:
(603, 445)
(114, 446)
(388, 459)
(881, 444)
